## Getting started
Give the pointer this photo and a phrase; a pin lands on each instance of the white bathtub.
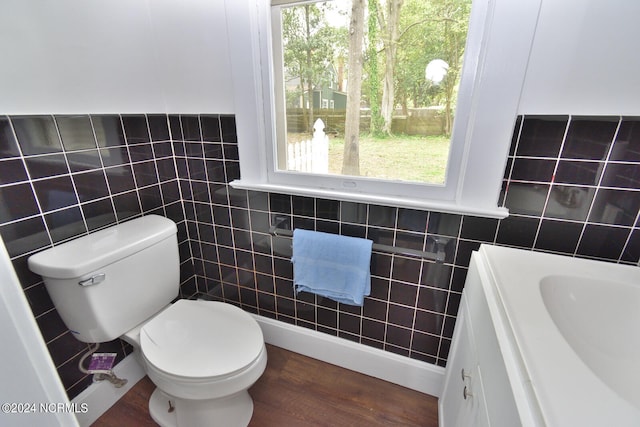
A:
(574, 328)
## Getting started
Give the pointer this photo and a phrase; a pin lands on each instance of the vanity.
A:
(544, 340)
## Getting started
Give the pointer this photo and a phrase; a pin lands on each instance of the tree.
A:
(351, 158)
(373, 78)
(389, 24)
(307, 42)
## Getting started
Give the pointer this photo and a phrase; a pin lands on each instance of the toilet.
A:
(120, 282)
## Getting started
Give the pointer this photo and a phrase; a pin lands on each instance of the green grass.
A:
(400, 157)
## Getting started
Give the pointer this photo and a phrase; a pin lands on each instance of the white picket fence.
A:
(311, 155)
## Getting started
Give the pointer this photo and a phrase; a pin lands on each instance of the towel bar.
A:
(438, 256)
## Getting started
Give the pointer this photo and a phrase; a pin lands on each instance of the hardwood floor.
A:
(299, 391)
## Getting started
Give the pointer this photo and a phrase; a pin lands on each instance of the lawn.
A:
(401, 157)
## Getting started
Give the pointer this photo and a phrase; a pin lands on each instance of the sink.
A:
(600, 320)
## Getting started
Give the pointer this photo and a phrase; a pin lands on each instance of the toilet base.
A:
(230, 411)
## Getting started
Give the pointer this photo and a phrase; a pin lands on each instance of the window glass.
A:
(385, 78)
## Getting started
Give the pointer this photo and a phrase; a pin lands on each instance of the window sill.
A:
(403, 202)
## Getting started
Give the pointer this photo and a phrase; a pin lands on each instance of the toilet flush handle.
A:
(93, 280)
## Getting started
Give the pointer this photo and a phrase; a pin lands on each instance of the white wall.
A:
(584, 59)
(116, 56)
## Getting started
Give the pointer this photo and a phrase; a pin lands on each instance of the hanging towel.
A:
(337, 267)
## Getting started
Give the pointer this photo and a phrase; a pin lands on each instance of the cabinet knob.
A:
(466, 393)
(464, 375)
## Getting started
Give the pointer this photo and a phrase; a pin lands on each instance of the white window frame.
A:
(499, 42)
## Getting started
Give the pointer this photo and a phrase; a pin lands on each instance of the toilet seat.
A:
(201, 339)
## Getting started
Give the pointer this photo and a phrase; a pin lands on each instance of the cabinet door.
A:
(461, 402)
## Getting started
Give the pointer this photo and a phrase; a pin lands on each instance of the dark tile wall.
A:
(571, 185)
(65, 176)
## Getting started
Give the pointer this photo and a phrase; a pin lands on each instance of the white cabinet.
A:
(462, 399)
(477, 391)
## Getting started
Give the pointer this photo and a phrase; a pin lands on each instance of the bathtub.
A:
(571, 328)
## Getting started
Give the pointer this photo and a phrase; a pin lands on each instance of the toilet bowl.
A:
(202, 356)
(119, 282)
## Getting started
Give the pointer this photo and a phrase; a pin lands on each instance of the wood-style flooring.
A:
(300, 391)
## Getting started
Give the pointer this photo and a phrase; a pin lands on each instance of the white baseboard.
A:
(414, 374)
(101, 396)
(410, 373)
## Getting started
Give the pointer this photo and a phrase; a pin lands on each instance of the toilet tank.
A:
(107, 282)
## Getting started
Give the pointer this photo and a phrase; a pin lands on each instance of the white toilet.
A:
(119, 282)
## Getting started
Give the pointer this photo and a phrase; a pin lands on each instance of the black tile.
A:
(280, 203)
(402, 293)
(76, 132)
(162, 149)
(12, 171)
(328, 209)
(444, 224)
(258, 201)
(228, 126)
(231, 152)
(210, 128)
(569, 202)
(375, 309)
(632, 249)
(406, 240)
(541, 136)
(84, 160)
(120, 179)
(479, 228)
(353, 212)
(190, 128)
(579, 172)
(373, 330)
(465, 249)
(428, 322)
(166, 169)
(158, 127)
(589, 137)
(516, 134)
(99, 214)
(39, 299)
(536, 170)
(175, 127)
(406, 270)
(136, 129)
(127, 205)
(627, 144)
(213, 150)
(55, 193)
(145, 173)
(622, 175)
(140, 152)
(215, 171)
(45, 166)
(558, 236)
(517, 231)
(91, 185)
(8, 144)
(425, 343)
(194, 149)
(36, 134)
(382, 216)
(412, 220)
(18, 202)
(603, 241)
(65, 224)
(618, 207)
(400, 315)
(353, 230)
(398, 336)
(349, 323)
(303, 206)
(197, 169)
(526, 198)
(114, 156)
(232, 170)
(221, 215)
(24, 236)
(108, 129)
(150, 198)
(432, 299)
(436, 275)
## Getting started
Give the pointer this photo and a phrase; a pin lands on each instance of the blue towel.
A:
(337, 267)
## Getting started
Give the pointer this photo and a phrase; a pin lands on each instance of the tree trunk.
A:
(351, 158)
(309, 72)
(390, 47)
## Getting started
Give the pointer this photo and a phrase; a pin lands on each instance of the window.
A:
(498, 44)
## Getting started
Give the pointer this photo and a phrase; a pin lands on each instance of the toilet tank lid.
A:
(96, 250)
